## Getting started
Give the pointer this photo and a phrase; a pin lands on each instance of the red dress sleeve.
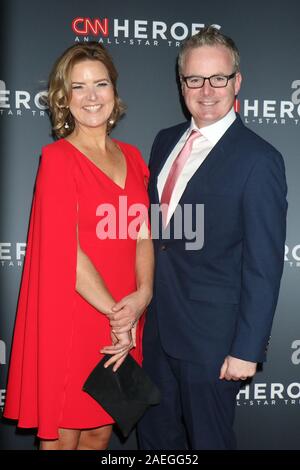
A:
(42, 337)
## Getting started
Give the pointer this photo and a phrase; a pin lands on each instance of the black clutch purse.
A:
(124, 394)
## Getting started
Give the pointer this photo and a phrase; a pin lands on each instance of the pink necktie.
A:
(174, 173)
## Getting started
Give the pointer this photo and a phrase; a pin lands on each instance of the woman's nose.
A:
(91, 93)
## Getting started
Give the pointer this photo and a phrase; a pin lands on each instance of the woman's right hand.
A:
(127, 312)
(121, 345)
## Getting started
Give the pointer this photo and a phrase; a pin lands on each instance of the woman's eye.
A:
(103, 84)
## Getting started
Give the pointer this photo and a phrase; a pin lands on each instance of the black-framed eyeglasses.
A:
(215, 81)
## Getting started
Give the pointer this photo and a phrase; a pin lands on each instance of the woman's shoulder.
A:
(57, 153)
(53, 147)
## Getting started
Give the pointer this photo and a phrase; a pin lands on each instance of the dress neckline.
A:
(85, 157)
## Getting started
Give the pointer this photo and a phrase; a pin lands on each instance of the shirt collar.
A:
(215, 131)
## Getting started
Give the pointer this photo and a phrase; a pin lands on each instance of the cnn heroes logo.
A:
(292, 256)
(12, 254)
(272, 112)
(16, 102)
(133, 32)
(269, 394)
(275, 393)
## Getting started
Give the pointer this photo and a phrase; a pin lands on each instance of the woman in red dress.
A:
(88, 257)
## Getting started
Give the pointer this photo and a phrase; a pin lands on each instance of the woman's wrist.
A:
(107, 308)
(146, 292)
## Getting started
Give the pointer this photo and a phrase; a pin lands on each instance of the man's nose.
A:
(207, 89)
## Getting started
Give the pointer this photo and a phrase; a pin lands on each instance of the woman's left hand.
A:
(126, 313)
(118, 350)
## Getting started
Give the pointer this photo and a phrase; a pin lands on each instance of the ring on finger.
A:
(133, 323)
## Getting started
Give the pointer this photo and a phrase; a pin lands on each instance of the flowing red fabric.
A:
(58, 335)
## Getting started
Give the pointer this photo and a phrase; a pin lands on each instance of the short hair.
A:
(60, 90)
(209, 36)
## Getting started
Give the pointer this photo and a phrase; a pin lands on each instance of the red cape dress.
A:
(58, 334)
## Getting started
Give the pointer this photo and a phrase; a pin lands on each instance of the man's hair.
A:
(209, 36)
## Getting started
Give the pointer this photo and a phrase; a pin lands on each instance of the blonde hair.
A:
(209, 36)
(59, 90)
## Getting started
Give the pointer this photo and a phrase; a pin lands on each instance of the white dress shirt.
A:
(201, 148)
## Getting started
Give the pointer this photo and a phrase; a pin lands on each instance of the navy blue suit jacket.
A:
(221, 299)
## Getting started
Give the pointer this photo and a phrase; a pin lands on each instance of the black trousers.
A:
(197, 408)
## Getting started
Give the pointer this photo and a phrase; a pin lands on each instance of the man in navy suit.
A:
(209, 322)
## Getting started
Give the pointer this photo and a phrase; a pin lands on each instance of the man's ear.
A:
(237, 83)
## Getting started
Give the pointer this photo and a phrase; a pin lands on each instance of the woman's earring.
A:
(66, 125)
(111, 122)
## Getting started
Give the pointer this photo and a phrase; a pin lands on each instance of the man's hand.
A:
(237, 369)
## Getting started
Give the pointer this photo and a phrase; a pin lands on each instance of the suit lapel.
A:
(161, 153)
(216, 158)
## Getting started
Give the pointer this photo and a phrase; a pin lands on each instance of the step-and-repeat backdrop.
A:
(143, 38)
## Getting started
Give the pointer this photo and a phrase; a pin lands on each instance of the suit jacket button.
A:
(163, 247)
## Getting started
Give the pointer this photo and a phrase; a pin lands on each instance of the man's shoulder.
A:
(253, 143)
